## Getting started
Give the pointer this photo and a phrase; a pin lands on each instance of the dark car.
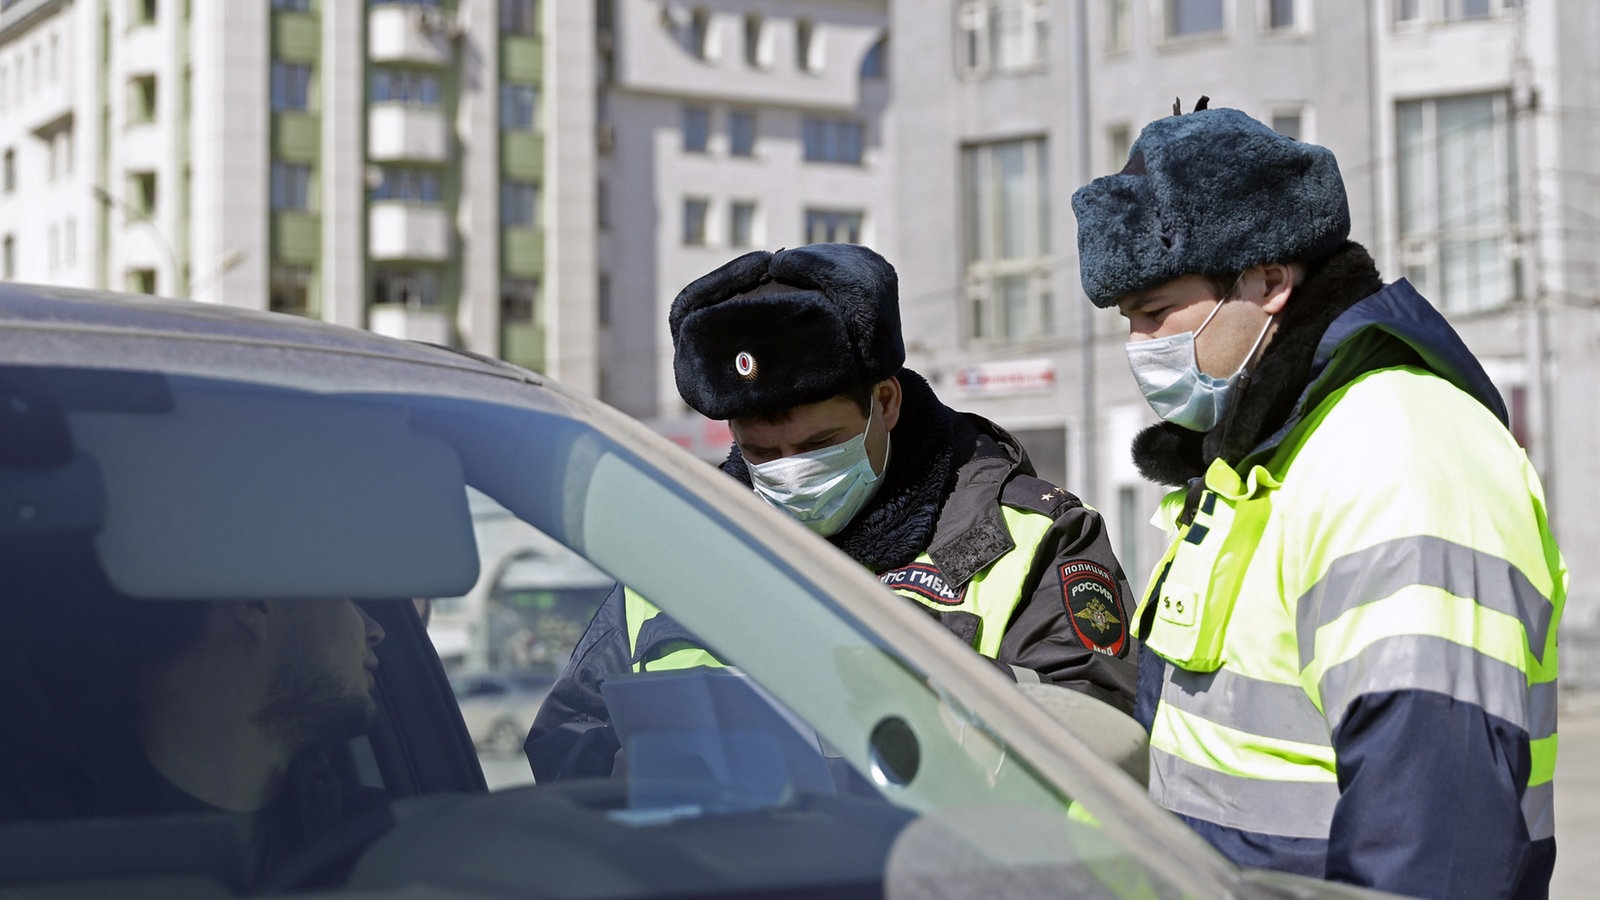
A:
(158, 458)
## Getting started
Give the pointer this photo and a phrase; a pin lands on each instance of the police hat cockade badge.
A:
(745, 365)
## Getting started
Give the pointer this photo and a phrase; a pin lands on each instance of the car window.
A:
(147, 498)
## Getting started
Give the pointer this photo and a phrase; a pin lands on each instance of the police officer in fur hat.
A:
(1349, 653)
(800, 351)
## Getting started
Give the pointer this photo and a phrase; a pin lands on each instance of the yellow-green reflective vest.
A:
(638, 611)
(1397, 540)
(992, 594)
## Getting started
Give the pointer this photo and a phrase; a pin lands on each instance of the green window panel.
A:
(296, 136)
(296, 36)
(522, 344)
(297, 237)
(522, 58)
(522, 252)
(522, 155)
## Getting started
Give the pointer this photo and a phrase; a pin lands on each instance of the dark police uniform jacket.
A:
(1017, 567)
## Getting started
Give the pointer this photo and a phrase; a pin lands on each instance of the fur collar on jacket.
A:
(898, 524)
(1265, 398)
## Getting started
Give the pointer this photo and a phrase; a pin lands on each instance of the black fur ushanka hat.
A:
(770, 331)
(1213, 192)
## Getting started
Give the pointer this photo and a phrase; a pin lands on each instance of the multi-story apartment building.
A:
(1463, 129)
(381, 165)
(726, 126)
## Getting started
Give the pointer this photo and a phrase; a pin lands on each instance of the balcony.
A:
(522, 252)
(522, 344)
(408, 231)
(403, 33)
(411, 323)
(396, 132)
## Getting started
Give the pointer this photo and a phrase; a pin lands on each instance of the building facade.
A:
(725, 127)
(381, 165)
(1464, 130)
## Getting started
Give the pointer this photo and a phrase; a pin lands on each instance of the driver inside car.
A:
(229, 709)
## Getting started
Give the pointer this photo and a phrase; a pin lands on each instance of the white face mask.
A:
(824, 488)
(1169, 376)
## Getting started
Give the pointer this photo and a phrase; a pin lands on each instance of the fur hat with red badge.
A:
(768, 332)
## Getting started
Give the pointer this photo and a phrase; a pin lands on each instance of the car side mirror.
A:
(1111, 733)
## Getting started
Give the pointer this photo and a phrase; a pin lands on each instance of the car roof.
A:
(47, 308)
(52, 326)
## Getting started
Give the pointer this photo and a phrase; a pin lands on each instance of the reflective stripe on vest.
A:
(1281, 603)
(992, 594)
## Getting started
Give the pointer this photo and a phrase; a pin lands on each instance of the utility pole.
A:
(1530, 284)
(1088, 437)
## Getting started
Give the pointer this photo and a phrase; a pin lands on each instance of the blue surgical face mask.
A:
(1169, 376)
(824, 488)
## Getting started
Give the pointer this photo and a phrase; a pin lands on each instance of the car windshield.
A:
(502, 514)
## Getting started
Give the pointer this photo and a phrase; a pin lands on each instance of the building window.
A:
(144, 11)
(1289, 123)
(292, 5)
(825, 226)
(875, 64)
(519, 106)
(519, 301)
(289, 288)
(519, 204)
(1002, 36)
(1193, 18)
(832, 140)
(59, 150)
(408, 185)
(696, 129)
(142, 193)
(1282, 15)
(291, 186)
(1006, 188)
(402, 86)
(1406, 11)
(602, 204)
(69, 242)
(1119, 26)
(411, 287)
(1458, 215)
(696, 33)
(807, 57)
(10, 174)
(291, 86)
(8, 257)
(1129, 521)
(602, 299)
(140, 281)
(695, 210)
(1119, 141)
(519, 17)
(756, 53)
(54, 243)
(142, 98)
(741, 133)
(741, 223)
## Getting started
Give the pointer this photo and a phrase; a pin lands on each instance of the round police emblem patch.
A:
(745, 365)
(1094, 606)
